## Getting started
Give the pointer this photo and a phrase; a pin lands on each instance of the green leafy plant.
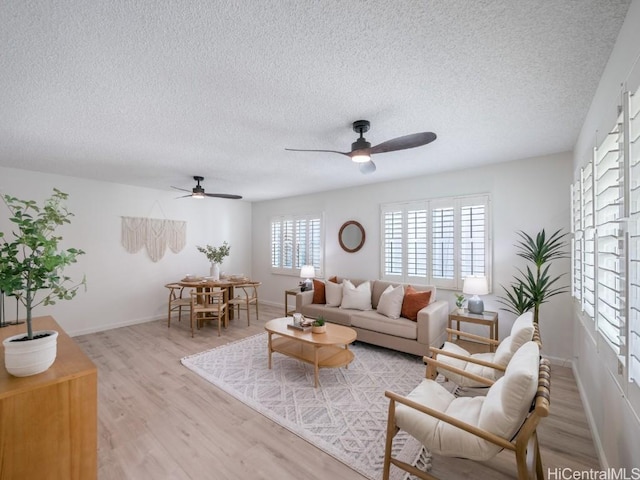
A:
(318, 322)
(532, 288)
(30, 261)
(215, 254)
(459, 300)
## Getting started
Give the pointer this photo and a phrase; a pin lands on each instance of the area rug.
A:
(346, 416)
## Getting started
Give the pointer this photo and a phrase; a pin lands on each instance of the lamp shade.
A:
(307, 271)
(475, 286)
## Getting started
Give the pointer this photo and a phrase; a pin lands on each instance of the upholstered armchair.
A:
(477, 428)
(480, 369)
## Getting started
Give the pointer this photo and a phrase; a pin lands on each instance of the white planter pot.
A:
(31, 356)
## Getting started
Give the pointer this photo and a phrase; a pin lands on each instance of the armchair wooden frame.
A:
(433, 363)
(524, 444)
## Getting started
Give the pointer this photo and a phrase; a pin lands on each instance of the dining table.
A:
(227, 284)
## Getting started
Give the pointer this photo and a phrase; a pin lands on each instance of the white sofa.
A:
(400, 334)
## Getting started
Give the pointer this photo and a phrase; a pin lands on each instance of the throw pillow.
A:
(356, 298)
(333, 293)
(390, 303)
(413, 302)
(318, 292)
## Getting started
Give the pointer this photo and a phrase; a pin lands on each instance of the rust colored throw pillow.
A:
(319, 295)
(413, 302)
(318, 292)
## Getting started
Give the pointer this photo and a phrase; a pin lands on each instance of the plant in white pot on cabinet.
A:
(215, 255)
(31, 262)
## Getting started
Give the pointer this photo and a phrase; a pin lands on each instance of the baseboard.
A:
(111, 326)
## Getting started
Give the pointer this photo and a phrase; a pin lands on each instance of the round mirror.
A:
(351, 236)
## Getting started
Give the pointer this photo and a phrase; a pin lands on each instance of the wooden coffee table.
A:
(322, 350)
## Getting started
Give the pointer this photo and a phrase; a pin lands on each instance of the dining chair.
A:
(209, 305)
(477, 428)
(176, 301)
(248, 297)
(474, 370)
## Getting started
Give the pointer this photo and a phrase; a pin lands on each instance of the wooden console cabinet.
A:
(48, 422)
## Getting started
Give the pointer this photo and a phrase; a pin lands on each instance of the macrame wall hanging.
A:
(155, 234)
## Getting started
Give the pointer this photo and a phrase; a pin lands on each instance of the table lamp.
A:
(475, 286)
(307, 272)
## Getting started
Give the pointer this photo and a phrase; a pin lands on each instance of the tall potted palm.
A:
(533, 287)
(31, 262)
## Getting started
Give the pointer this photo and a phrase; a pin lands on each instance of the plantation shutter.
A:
(632, 146)
(315, 245)
(276, 243)
(442, 243)
(297, 241)
(589, 243)
(301, 243)
(473, 240)
(577, 240)
(417, 243)
(287, 244)
(609, 208)
(392, 231)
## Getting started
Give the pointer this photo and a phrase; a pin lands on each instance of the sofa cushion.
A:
(356, 298)
(390, 304)
(372, 320)
(330, 314)
(413, 302)
(333, 293)
(318, 292)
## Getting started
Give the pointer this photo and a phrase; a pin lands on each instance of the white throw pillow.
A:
(333, 294)
(356, 298)
(390, 303)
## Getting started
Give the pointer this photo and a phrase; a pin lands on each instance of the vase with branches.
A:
(533, 287)
(215, 255)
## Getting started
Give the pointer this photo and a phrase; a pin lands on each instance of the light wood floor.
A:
(158, 420)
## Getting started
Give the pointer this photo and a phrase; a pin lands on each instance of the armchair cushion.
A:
(521, 332)
(474, 368)
(501, 412)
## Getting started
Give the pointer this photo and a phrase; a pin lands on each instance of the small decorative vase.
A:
(321, 329)
(30, 357)
(215, 271)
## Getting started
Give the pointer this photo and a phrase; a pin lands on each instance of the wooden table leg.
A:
(270, 350)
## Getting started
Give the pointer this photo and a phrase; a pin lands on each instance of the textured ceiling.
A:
(153, 92)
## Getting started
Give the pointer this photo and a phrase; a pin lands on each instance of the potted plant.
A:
(31, 262)
(215, 255)
(318, 326)
(534, 287)
(460, 302)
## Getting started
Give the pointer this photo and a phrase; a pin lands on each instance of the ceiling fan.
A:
(361, 150)
(198, 191)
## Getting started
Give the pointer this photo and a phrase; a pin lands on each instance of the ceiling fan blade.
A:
(367, 167)
(223, 195)
(327, 151)
(182, 189)
(402, 143)
(183, 196)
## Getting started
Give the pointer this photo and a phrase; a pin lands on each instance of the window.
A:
(605, 222)
(437, 241)
(297, 241)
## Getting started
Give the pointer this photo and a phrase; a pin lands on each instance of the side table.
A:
(487, 318)
(293, 292)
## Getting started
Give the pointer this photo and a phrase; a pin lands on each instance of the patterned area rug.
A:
(346, 416)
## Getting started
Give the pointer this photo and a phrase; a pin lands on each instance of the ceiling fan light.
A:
(197, 195)
(361, 157)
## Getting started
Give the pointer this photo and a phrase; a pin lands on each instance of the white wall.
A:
(124, 288)
(526, 195)
(615, 426)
